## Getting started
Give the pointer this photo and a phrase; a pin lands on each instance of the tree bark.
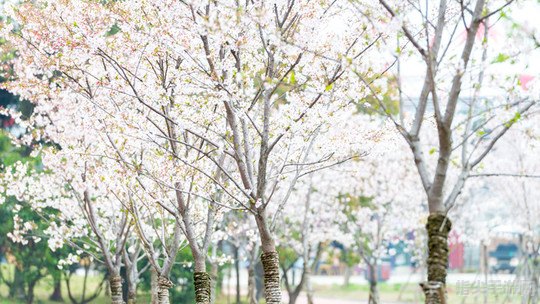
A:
(201, 279)
(131, 282)
(270, 261)
(347, 276)
(132, 297)
(16, 288)
(272, 290)
(115, 284)
(56, 296)
(438, 227)
(30, 292)
(153, 286)
(307, 281)
(214, 272)
(373, 291)
(252, 284)
(237, 270)
(163, 286)
(309, 290)
(203, 282)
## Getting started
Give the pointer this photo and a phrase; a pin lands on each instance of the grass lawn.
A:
(388, 292)
(410, 293)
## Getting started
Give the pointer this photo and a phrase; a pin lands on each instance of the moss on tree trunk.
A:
(164, 284)
(272, 290)
(115, 283)
(203, 283)
(438, 227)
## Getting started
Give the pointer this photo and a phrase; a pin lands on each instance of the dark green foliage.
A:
(181, 275)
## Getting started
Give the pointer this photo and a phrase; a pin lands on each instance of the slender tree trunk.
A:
(237, 269)
(438, 227)
(347, 276)
(309, 294)
(201, 280)
(56, 296)
(16, 289)
(132, 286)
(153, 286)
(30, 292)
(252, 284)
(214, 272)
(533, 298)
(132, 296)
(163, 286)
(373, 291)
(115, 284)
(293, 296)
(485, 270)
(132, 275)
(132, 289)
(307, 282)
(270, 261)
(252, 276)
(294, 292)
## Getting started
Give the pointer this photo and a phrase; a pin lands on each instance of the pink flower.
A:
(524, 81)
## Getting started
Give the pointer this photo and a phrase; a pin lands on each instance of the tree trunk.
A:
(16, 289)
(115, 284)
(214, 272)
(131, 278)
(347, 276)
(272, 290)
(201, 279)
(485, 269)
(30, 292)
(203, 282)
(132, 297)
(293, 296)
(153, 286)
(373, 291)
(252, 284)
(237, 269)
(56, 296)
(163, 286)
(309, 287)
(270, 261)
(438, 226)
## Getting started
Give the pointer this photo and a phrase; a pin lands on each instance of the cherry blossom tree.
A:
(511, 182)
(471, 95)
(79, 216)
(251, 83)
(304, 230)
(379, 191)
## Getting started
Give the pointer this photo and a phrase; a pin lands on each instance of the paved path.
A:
(396, 277)
(320, 300)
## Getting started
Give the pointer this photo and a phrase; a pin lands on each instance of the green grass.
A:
(45, 286)
(388, 293)
(406, 293)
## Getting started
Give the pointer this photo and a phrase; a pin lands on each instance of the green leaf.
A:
(481, 133)
(329, 87)
(512, 121)
(292, 79)
(432, 150)
(114, 29)
(500, 58)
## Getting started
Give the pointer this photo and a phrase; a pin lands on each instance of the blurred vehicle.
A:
(504, 258)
